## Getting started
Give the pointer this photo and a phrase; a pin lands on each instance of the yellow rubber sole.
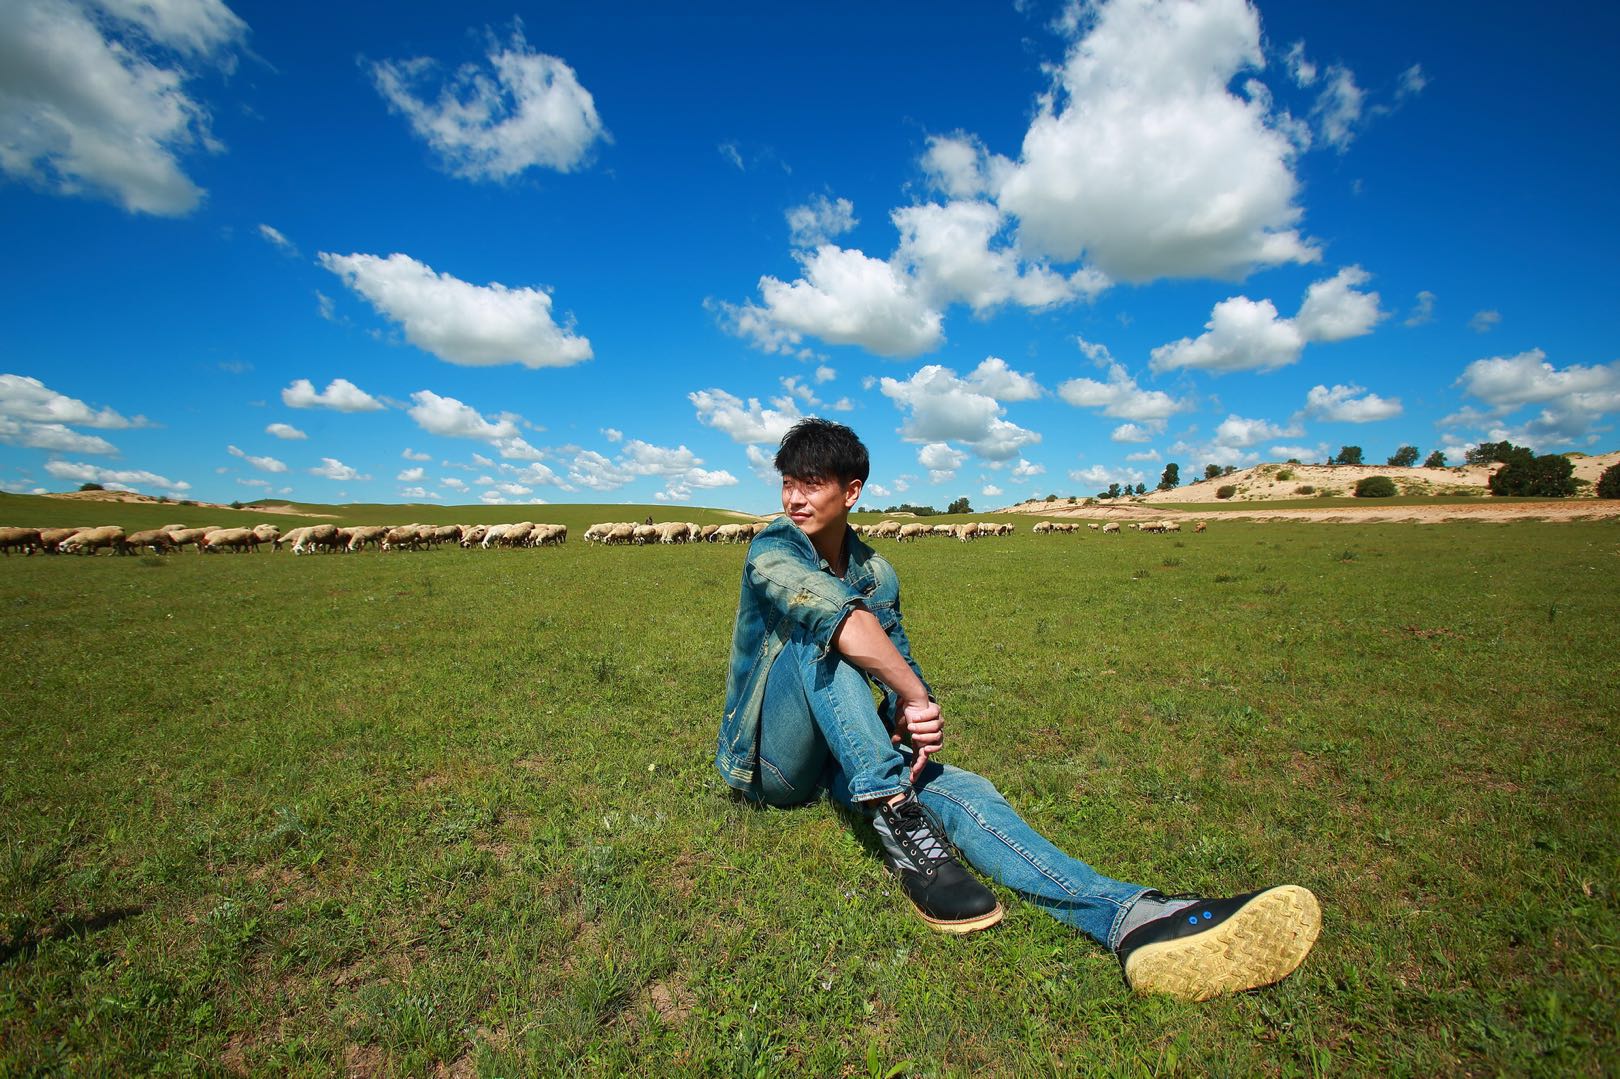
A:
(1264, 942)
(966, 925)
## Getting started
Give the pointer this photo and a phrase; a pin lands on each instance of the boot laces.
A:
(920, 831)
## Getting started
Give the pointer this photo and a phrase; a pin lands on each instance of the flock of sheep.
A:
(310, 539)
(1112, 527)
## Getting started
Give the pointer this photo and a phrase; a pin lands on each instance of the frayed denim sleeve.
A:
(804, 595)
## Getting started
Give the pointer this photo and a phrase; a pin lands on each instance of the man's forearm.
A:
(861, 640)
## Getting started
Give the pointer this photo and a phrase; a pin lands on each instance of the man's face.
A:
(818, 505)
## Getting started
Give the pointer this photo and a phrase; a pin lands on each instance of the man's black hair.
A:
(822, 449)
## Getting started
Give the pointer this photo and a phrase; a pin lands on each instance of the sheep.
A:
(886, 529)
(622, 532)
(733, 533)
(322, 537)
(189, 536)
(1201, 526)
(400, 536)
(965, 532)
(1169, 526)
(1093, 526)
(172, 528)
(472, 535)
(445, 533)
(158, 540)
(91, 540)
(1042, 528)
(267, 533)
(363, 535)
(1111, 528)
(517, 535)
(51, 539)
(25, 538)
(673, 532)
(290, 538)
(911, 530)
(1152, 526)
(548, 535)
(234, 539)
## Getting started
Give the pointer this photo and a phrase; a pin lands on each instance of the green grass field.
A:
(454, 810)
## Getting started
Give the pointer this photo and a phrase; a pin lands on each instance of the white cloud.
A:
(994, 378)
(411, 475)
(261, 484)
(844, 298)
(746, 423)
(1422, 310)
(1412, 82)
(820, 220)
(30, 400)
(991, 491)
(958, 165)
(1235, 430)
(612, 434)
(590, 469)
(1123, 399)
(1027, 470)
(1301, 69)
(825, 374)
(1299, 453)
(942, 407)
(461, 323)
(523, 110)
(412, 455)
(273, 236)
(949, 252)
(453, 483)
(1132, 432)
(450, 418)
(1334, 311)
(1485, 321)
(1143, 455)
(90, 102)
(333, 469)
(340, 395)
(1143, 161)
(51, 436)
(1510, 381)
(1338, 109)
(1248, 335)
(263, 464)
(1102, 476)
(877, 490)
(115, 478)
(1341, 404)
(286, 431)
(762, 464)
(418, 492)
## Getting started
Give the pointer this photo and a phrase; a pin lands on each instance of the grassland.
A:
(453, 811)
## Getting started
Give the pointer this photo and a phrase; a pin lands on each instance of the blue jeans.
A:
(820, 729)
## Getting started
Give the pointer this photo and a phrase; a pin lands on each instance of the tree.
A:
(1211, 471)
(1141, 488)
(91, 487)
(1171, 478)
(1498, 452)
(1348, 455)
(1375, 487)
(1608, 485)
(1228, 470)
(1435, 460)
(1113, 490)
(1405, 457)
(959, 506)
(1549, 476)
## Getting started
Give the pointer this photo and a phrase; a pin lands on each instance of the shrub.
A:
(236, 505)
(1547, 476)
(1304, 489)
(1608, 484)
(91, 487)
(1285, 475)
(1225, 491)
(1375, 487)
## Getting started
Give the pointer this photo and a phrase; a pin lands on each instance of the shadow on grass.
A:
(27, 943)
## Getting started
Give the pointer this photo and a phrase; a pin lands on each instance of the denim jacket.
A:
(788, 588)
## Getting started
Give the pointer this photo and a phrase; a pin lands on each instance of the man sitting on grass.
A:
(819, 616)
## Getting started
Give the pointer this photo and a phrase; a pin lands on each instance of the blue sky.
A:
(513, 253)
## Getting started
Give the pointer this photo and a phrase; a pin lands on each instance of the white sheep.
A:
(25, 539)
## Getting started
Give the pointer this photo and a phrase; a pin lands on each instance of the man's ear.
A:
(852, 493)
